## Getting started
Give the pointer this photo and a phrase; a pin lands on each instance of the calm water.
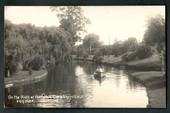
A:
(75, 86)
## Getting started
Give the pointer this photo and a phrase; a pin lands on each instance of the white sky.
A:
(109, 22)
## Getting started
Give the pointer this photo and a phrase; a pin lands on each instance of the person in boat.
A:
(99, 69)
(98, 72)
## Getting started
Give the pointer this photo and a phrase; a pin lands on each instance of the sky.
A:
(109, 22)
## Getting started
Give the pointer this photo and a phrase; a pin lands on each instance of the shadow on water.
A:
(88, 67)
(61, 80)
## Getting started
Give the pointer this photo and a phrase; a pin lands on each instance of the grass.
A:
(155, 83)
(24, 77)
(157, 98)
(147, 75)
(112, 59)
(151, 61)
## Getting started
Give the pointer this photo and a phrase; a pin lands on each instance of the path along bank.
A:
(24, 77)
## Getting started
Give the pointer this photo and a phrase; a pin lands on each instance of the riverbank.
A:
(155, 83)
(23, 77)
(152, 63)
(147, 71)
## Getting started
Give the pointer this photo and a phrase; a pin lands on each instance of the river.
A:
(75, 86)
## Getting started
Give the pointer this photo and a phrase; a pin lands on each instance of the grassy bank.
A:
(152, 63)
(148, 72)
(23, 77)
(155, 83)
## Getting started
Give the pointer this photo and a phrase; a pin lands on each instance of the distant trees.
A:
(91, 42)
(153, 42)
(122, 47)
(81, 51)
(129, 50)
(155, 36)
(155, 33)
(118, 48)
(31, 46)
(143, 51)
(103, 50)
(130, 44)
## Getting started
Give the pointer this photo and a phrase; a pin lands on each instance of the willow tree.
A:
(155, 37)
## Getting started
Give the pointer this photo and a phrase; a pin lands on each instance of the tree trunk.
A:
(90, 49)
(163, 61)
(162, 58)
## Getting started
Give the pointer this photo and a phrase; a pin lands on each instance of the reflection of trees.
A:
(107, 68)
(62, 80)
(88, 67)
(15, 91)
(8, 103)
(61, 77)
(117, 80)
(132, 84)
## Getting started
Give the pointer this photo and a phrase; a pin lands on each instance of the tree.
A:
(81, 51)
(71, 20)
(118, 48)
(143, 51)
(91, 42)
(155, 36)
(130, 44)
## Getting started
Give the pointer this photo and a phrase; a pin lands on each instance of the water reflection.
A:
(74, 85)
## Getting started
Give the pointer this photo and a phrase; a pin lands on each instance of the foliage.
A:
(98, 52)
(91, 42)
(130, 44)
(24, 41)
(97, 59)
(106, 50)
(36, 63)
(155, 33)
(118, 49)
(129, 56)
(12, 67)
(81, 51)
(71, 20)
(143, 51)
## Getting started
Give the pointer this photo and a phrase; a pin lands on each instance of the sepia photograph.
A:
(85, 56)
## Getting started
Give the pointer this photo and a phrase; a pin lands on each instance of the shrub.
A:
(97, 59)
(36, 63)
(85, 55)
(129, 56)
(143, 51)
(12, 68)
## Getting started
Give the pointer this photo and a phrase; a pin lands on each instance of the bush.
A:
(12, 68)
(129, 56)
(85, 55)
(97, 59)
(143, 51)
(36, 63)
